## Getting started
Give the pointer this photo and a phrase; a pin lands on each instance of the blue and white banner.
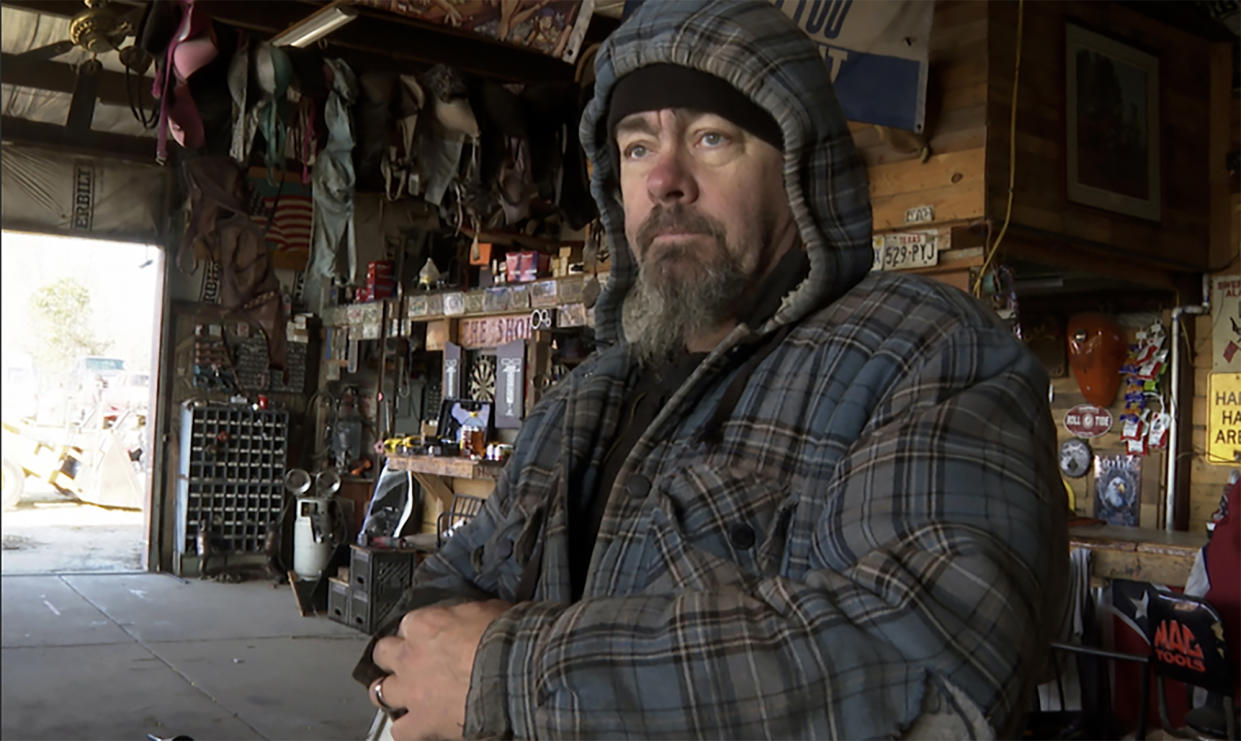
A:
(877, 52)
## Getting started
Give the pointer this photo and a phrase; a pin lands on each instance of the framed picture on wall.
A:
(1112, 121)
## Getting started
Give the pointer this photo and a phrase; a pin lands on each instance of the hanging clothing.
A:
(220, 228)
(441, 145)
(191, 48)
(245, 123)
(333, 250)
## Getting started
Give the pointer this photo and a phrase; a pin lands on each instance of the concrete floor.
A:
(69, 537)
(93, 648)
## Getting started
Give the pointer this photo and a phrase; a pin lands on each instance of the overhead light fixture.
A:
(316, 25)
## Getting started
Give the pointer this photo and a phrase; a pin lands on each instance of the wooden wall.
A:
(1044, 221)
(951, 180)
(1207, 480)
(1067, 395)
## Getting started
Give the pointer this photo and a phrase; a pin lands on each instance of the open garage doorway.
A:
(80, 321)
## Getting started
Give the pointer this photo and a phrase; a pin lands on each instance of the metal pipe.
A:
(1169, 494)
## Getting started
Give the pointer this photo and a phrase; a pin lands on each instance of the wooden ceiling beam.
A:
(379, 39)
(63, 78)
(62, 8)
(405, 38)
(98, 143)
(375, 39)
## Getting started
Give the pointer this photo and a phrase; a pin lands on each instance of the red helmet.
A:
(1096, 353)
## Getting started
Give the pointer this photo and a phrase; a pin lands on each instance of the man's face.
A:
(698, 191)
(703, 202)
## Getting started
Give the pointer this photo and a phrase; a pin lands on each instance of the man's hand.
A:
(429, 663)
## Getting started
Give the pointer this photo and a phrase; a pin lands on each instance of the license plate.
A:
(905, 251)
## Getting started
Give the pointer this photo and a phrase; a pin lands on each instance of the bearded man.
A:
(787, 497)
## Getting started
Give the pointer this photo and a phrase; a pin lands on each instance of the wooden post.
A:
(539, 366)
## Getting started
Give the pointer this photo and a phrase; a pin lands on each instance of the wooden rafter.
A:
(99, 143)
(375, 39)
(61, 77)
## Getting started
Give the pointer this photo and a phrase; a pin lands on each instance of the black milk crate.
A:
(367, 614)
(380, 571)
(377, 580)
(339, 601)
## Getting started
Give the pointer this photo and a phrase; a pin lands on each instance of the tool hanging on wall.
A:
(212, 369)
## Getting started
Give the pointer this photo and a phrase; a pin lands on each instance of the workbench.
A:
(1138, 554)
(444, 476)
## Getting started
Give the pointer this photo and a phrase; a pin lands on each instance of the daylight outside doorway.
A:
(77, 341)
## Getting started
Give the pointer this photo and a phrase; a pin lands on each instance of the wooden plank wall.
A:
(1067, 395)
(951, 179)
(1207, 480)
(1041, 210)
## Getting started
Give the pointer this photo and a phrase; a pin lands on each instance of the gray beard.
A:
(659, 314)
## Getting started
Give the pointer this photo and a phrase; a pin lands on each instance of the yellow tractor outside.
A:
(26, 455)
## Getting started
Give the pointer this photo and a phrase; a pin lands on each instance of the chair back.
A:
(1187, 642)
(462, 509)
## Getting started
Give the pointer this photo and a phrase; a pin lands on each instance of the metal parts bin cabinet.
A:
(230, 476)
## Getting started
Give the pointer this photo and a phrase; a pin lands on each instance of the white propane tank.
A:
(311, 556)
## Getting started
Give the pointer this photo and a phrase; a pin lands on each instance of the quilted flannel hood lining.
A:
(752, 46)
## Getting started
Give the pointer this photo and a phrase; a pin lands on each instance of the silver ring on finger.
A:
(392, 712)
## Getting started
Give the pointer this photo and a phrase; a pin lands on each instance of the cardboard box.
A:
(380, 269)
(526, 265)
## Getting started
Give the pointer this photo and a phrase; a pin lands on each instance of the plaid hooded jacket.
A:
(845, 519)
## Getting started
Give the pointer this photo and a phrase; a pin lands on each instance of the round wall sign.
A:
(1075, 458)
(1087, 420)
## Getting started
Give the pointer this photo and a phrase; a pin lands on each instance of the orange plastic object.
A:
(1096, 354)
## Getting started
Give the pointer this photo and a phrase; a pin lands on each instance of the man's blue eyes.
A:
(710, 139)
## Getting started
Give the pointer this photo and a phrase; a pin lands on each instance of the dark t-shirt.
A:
(643, 401)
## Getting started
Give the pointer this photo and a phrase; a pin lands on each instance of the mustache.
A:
(676, 218)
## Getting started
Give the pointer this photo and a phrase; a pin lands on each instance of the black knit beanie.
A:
(659, 86)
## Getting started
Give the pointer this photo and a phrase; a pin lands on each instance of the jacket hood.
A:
(751, 45)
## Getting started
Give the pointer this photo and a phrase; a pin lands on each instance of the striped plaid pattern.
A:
(878, 529)
(882, 517)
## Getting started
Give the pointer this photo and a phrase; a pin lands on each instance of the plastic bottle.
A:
(473, 435)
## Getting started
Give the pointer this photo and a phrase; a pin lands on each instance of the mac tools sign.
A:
(877, 54)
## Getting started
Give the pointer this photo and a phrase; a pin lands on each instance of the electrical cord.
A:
(1012, 158)
(136, 106)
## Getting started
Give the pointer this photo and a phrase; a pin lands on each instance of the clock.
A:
(1075, 457)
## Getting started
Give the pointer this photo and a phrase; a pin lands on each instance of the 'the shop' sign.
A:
(493, 331)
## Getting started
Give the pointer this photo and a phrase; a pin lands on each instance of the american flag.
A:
(290, 224)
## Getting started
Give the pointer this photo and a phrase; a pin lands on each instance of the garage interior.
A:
(314, 400)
